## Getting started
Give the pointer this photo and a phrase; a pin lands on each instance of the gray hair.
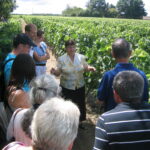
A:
(43, 87)
(55, 125)
(121, 48)
(129, 86)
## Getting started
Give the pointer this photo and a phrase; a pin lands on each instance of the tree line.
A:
(94, 8)
(99, 8)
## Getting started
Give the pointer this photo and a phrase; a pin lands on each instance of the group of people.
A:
(37, 114)
(123, 91)
(38, 107)
(28, 86)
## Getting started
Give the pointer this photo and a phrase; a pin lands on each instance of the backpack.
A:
(3, 105)
(2, 81)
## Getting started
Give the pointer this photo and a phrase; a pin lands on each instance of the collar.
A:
(126, 65)
(130, 105)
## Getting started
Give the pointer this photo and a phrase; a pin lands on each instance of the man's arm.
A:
(101, 138)
(146, 91)
(102, 91)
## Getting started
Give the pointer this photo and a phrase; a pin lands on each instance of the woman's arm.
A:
(41, 58)
(89, 68)
(86, 66)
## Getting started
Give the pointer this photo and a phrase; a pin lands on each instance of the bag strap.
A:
(8, 61)
(2, 79)
(16, 112)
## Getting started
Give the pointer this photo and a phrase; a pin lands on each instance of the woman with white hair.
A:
(54, 126)
(42, 88)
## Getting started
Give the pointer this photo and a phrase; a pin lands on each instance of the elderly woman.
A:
(71, 67)
(42, 88)
(54, 127)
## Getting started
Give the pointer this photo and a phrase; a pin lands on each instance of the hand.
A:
(47, 56)
(52, 71)
(92, 69)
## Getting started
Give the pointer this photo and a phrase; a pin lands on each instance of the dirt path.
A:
(51, 62)
(23, 24)
(85, 138)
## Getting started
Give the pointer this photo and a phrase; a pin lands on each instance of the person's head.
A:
(70, 46)
(40, 36)
(55, 125)
(43, 87)
(22, 43)
(23, 69)
(121, 49)
(31, 30)
(128, 87)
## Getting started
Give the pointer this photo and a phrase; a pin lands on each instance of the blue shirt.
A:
(26, 87)
(8, 66)
(105, 91)
(41, 51)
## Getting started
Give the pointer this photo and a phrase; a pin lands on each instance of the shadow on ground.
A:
(85, 138)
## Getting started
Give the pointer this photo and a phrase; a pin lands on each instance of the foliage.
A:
(131, 8)
(94, 37)
(6, 7)
(97, 8)
(73, 11)
(112, 13)
(7, 31)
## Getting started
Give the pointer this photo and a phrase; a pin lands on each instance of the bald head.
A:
(121, 48)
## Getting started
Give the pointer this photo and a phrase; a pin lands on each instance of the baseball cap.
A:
(22, 38)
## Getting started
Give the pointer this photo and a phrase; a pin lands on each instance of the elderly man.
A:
(54, 126)
(121, 51)
(31, 32)
(127, 126)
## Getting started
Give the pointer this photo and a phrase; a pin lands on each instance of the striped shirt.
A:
(126, 127)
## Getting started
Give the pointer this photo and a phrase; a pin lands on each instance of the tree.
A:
(73, 11)
(111, 11)
(131, 9)
(97, 8)
(6, 7)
